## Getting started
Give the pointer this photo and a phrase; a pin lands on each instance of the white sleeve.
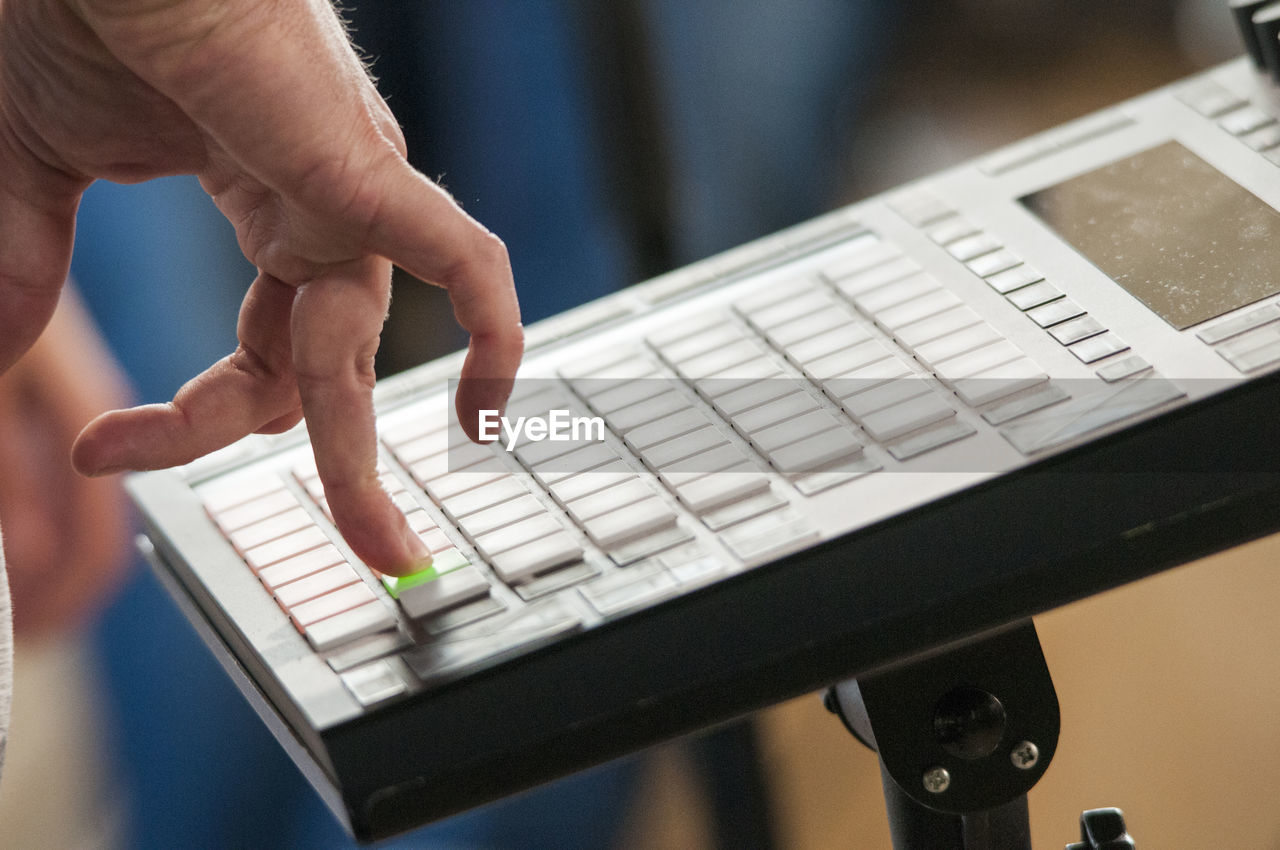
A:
(6, 655)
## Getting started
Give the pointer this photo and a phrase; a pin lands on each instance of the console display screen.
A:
(1171, 229)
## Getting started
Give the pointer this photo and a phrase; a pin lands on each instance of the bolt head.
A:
(936, 780)
(1025, 756)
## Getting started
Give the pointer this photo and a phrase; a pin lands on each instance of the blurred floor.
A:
(56, 792)
(1168, 690)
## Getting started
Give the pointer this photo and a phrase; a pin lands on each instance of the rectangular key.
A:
(279, 525)
(878, 276)
(498, 516)
(666, 428)
(916, 309)
(953, 345)
(283, 547)
(657, 407)
(768, 536)
(332, 604)
(304, 564)
(792, 430)
(866, 378)
(815, 451)
(762, 392)
(1055, 312)
(602, 502)
(787, 407)
(255, 510)
(229, 492)
(1095, 348)
(682, 330)
(918, 333)
(885, 395)
(805, 327)
(909, 416)
(1075, 330)
(706, 365)
(684, 451)
(800, 304)
(296, 592)
(635, 520)
(971, 247)
(716, 336)
(587, 483)
(443, 590)
(978, 360)
(1234, 327)
(952, 230)
(450, 485)
(523, 562)
(1017, 277)
(1061, 423)
(717, 459)
(479, 498)
(1005, 379)
(845, 361)
(821, 345)
(580, 460)
(334, 631)
(628, 394)
(857, 261)
(873, 302)
(517, 534)
(993, 263)
(713, 491)
(1034, 295)
(933, 438)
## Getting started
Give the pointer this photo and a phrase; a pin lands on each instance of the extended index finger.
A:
(420, 228)
(335, 326)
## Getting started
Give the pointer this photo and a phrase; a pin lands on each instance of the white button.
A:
(1003, 380)
(357, 622)
(906, 417)
(523, 562)
(979, 360)
(815, 451)
(444, 591)
(953, 345)
(926, 330)
(916, 309)
(643, 517)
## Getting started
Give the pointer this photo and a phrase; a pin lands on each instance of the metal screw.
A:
(1025, 755)
(937, 780)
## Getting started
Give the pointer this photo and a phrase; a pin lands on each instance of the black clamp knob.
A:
(1103, 829)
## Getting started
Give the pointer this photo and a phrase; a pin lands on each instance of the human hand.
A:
(66, 535)
(268, 104)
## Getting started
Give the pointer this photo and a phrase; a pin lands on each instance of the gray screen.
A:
(1171, 229)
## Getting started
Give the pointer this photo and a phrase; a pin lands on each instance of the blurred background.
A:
(606, 143)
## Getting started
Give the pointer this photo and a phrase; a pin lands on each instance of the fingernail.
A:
(421, 554)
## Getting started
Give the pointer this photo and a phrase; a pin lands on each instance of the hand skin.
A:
(66, 536)
(266, 102)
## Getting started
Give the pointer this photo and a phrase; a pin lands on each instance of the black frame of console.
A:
(1121, 508)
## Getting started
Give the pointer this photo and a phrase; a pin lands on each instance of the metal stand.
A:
(963, 734)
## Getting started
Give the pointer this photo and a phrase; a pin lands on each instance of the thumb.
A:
(35, 254)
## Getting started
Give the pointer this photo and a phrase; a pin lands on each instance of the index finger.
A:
(335, 325)
(422, 230)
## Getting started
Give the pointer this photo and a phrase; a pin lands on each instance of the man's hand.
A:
(267, 103)
(66, 536)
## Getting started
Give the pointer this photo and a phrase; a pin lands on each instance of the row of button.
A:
(295, 560)
(1254, 126)
(511, 528)
(1021, 285)
(871, 383)
(775, 414)
(683, 445)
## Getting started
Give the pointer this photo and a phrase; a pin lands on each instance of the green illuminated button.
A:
(449, 581)
(441, 563)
